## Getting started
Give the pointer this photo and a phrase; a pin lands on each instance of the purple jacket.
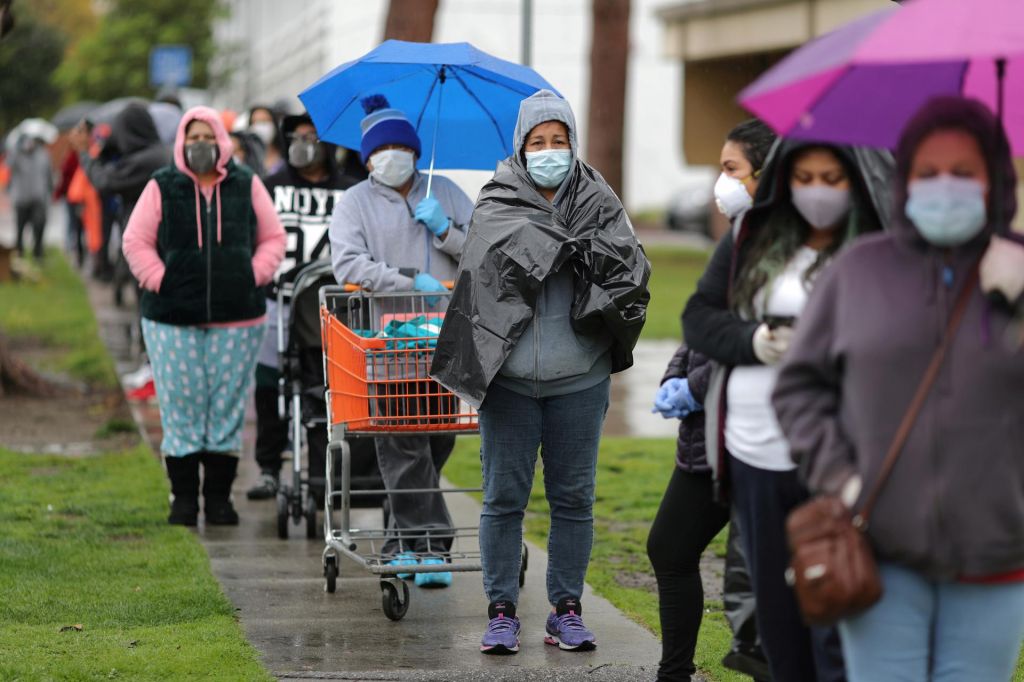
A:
(954, 505)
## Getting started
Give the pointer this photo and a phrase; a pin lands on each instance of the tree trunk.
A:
(411, 20)
(17, 377)
(609, 63)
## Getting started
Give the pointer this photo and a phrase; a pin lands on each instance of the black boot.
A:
(218, 475)
(184, 475)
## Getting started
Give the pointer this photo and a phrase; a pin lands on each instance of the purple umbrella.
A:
(861, 83)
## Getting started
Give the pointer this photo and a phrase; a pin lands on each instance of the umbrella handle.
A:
(437, 124)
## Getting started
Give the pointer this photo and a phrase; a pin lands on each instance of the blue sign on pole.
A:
(170, 65)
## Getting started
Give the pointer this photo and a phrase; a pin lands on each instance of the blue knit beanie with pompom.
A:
(384, 125)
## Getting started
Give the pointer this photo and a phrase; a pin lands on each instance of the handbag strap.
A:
(860, 520)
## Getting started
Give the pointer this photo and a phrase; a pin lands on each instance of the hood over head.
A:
(870, 171)
(132, 130)
(974, 118)
(539, 107)
(211, 118)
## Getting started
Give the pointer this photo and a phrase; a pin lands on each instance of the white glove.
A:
(771, 344)
(1002, 268)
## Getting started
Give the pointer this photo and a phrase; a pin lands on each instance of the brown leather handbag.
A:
(832, 567)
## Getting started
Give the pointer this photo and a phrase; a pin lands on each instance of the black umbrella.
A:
(68, 117)
(107, 112)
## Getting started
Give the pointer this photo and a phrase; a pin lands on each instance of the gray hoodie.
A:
(376, 242)
(31, 173)
(550, 358)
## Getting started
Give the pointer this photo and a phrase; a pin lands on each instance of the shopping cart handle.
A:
(349, 287)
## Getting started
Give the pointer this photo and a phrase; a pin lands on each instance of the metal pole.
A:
(527, 33)
(437, 124)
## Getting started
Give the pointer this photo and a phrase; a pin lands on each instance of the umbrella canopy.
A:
(861, 83)
(465, 97)
(33, 127)
(166, 117)
(107, 112)
(68, 117)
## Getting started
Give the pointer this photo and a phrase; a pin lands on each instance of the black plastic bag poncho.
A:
(516, 239)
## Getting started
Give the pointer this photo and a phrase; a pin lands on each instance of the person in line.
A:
(948, 527)
(74, 241)
(550, 299)
(202, 241)
(30, 187)
(689, 517)
(305, 193)
(263, 124)
(388, 234)
(812, 200)
(129, 157)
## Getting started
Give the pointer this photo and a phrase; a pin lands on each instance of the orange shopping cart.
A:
(377, 350)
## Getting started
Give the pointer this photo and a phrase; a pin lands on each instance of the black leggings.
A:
(687, 521)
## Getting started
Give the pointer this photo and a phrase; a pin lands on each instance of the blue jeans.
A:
(935, 632)
(567, 429)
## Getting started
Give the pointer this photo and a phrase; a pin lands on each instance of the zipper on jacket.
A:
(536, 351)
(209, 260)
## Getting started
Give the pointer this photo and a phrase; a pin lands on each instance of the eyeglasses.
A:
(308, 137)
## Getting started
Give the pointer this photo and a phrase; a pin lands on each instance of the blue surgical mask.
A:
(947, 211)
(549, 167)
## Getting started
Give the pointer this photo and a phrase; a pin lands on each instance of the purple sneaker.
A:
(565, 628)
(502, 635)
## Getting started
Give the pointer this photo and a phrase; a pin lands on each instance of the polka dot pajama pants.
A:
(202, 376)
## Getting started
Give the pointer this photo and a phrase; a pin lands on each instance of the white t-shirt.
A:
(752, 433)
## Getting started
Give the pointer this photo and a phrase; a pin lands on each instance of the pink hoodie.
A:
(140, 236)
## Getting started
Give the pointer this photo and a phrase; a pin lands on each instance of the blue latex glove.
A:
(430, 213)
(426, 282)
(674, 399)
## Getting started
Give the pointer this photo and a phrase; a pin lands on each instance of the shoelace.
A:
(500, 625)
(570, 621)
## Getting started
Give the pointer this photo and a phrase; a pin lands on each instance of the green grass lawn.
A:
(674, 275)
(85, 542)
(55, 311)
(631, 477)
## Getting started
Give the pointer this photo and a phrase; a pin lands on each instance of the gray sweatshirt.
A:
(375, 242)
(31, 174)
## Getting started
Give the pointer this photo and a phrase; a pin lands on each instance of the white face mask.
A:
(822, 206)
(731, 196)
(392, 167)
(264, 130)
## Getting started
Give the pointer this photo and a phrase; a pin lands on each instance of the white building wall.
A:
(279, 47)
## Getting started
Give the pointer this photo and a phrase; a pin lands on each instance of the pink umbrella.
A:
(861, 83)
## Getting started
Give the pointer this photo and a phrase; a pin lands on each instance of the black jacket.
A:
(709, 322)
(516, 239)
(690, 446)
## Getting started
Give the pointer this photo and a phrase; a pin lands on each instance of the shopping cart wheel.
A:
(282, 514)
(523, 565)
(394, 607)
(331, 574)
(312, 530)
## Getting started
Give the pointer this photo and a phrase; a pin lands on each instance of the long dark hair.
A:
(755, 139)
(784, 231)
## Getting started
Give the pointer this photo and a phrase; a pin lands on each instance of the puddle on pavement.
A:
(633, 394)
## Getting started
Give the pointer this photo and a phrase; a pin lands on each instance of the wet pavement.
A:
(304, 633)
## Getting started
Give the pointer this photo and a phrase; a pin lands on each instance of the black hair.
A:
(756, 140)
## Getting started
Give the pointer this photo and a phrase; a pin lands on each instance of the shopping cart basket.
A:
(378, 347)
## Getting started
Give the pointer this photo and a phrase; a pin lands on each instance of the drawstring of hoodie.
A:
(199, 218)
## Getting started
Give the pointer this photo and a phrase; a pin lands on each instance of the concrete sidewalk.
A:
(303, 633)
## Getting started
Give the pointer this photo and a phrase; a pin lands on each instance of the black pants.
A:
(33, 214)
(687, 521)
(796, 653)
(271, 431)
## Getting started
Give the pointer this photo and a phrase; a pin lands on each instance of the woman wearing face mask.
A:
(689, 517)
(202, 239)
(948, 526)
(550, 298)
(263, 124)
(811, 200)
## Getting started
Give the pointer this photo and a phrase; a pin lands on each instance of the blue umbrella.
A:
(463, 102)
